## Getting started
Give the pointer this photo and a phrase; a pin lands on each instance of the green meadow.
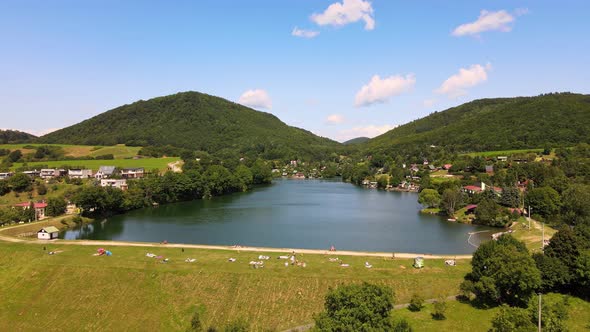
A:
(147, 163)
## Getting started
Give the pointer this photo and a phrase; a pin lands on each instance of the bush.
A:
(77, 219)
(416, 303)
(402, 325)
(440, 308)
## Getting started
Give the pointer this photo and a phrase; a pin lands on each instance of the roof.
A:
(471, 207)
(50, 229)
(37, 205)
(107, 169)
(133, 169)
(474, 188)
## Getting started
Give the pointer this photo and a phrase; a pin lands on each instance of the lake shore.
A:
(238, 248)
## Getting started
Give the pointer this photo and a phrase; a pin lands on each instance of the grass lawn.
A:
(120, 151)
(147, 163)
(464, 317)
(53, 190)
(501, 152)
(531, 238)
(74, 290)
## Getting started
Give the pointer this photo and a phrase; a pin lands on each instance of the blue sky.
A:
(340, 69)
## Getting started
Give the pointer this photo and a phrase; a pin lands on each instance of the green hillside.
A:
(14, 136)
(356, 140)
(496, 124)
(195, 121)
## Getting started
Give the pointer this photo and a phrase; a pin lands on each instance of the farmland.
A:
(147, 163)
(502, 152)
(118, 151)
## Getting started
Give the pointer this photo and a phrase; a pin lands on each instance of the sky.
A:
(339, 68)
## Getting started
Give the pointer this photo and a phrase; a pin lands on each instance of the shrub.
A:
(440, 308)
(416, 303)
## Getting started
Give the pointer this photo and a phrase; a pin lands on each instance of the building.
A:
(105, 172)
(490, 169)
(48, 173)
(5, 175)
(80, 173)
(479, 189)
(33, 173)
(447, 166)
(39, 208)
(114, 183)
(502, 158)
(132, 173)
(48, 233)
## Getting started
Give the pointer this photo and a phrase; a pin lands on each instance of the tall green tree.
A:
(20, 182)
(450, 201)
(429, 197)
(544, 201)
(363, 307)
(56, 206)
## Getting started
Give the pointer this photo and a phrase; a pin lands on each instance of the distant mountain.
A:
(357, 140)
(560, 119)
(15, 136)
(195, 121)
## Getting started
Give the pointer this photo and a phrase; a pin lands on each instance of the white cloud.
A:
(366, 131)
(304, 33)
(257, 98)
(380, 90)
(455, 85)
(335, 119)
(428, 103)
(489, 21)
(349, 11)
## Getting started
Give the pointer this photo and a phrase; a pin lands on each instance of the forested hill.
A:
(14, 136)
(496, 124)
(196, 121)
(357, 140)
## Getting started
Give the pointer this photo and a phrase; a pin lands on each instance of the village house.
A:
(48, 173)
(490, 169)
(299, 175)
(481, 188)
(114, 183)
(48, 233)
(39, 208)
(447, 166)
(502, 158)
(79, 173)
(33, 173)
(132, 173)
(5, 175)
(105, 172)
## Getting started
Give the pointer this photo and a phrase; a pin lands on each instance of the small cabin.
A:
(48, 233)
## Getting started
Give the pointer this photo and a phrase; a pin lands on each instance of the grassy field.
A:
(531, 238)
(53, 190)
(501, 152)
(74, 290)
(147, 163)
(464, 317)
(119, 151)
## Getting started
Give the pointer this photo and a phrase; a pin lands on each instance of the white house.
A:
(5, 175)
(105, 172)
(80, 173)
(132, 173)
(115, 183)
(48, 233)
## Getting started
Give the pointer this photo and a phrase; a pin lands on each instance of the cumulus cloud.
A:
(489, 21)
(366, 131)
(304, 33)
(456, 85)
(335, 119)
(379, 90)
(257, 98)
(349, 11)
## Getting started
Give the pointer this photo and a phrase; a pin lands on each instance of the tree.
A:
(489, 213)
(244, 176)
(56, 206)
(510, 197)
(261, 172)
(41, 189)
(450, 200)
(14, 156)
(503, 272)
(4, 188)
(429, 197)
(575, 204)
(363, 307)
(545, 201)
(416, 303)
(512, 319)
(555, 276)
(440, 309)
(20, 182)
(402, 325)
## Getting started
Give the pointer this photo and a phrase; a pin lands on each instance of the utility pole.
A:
(540, 312)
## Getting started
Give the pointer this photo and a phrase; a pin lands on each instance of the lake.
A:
(311, 214)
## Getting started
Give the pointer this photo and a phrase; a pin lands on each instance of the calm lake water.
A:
(310, 214)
